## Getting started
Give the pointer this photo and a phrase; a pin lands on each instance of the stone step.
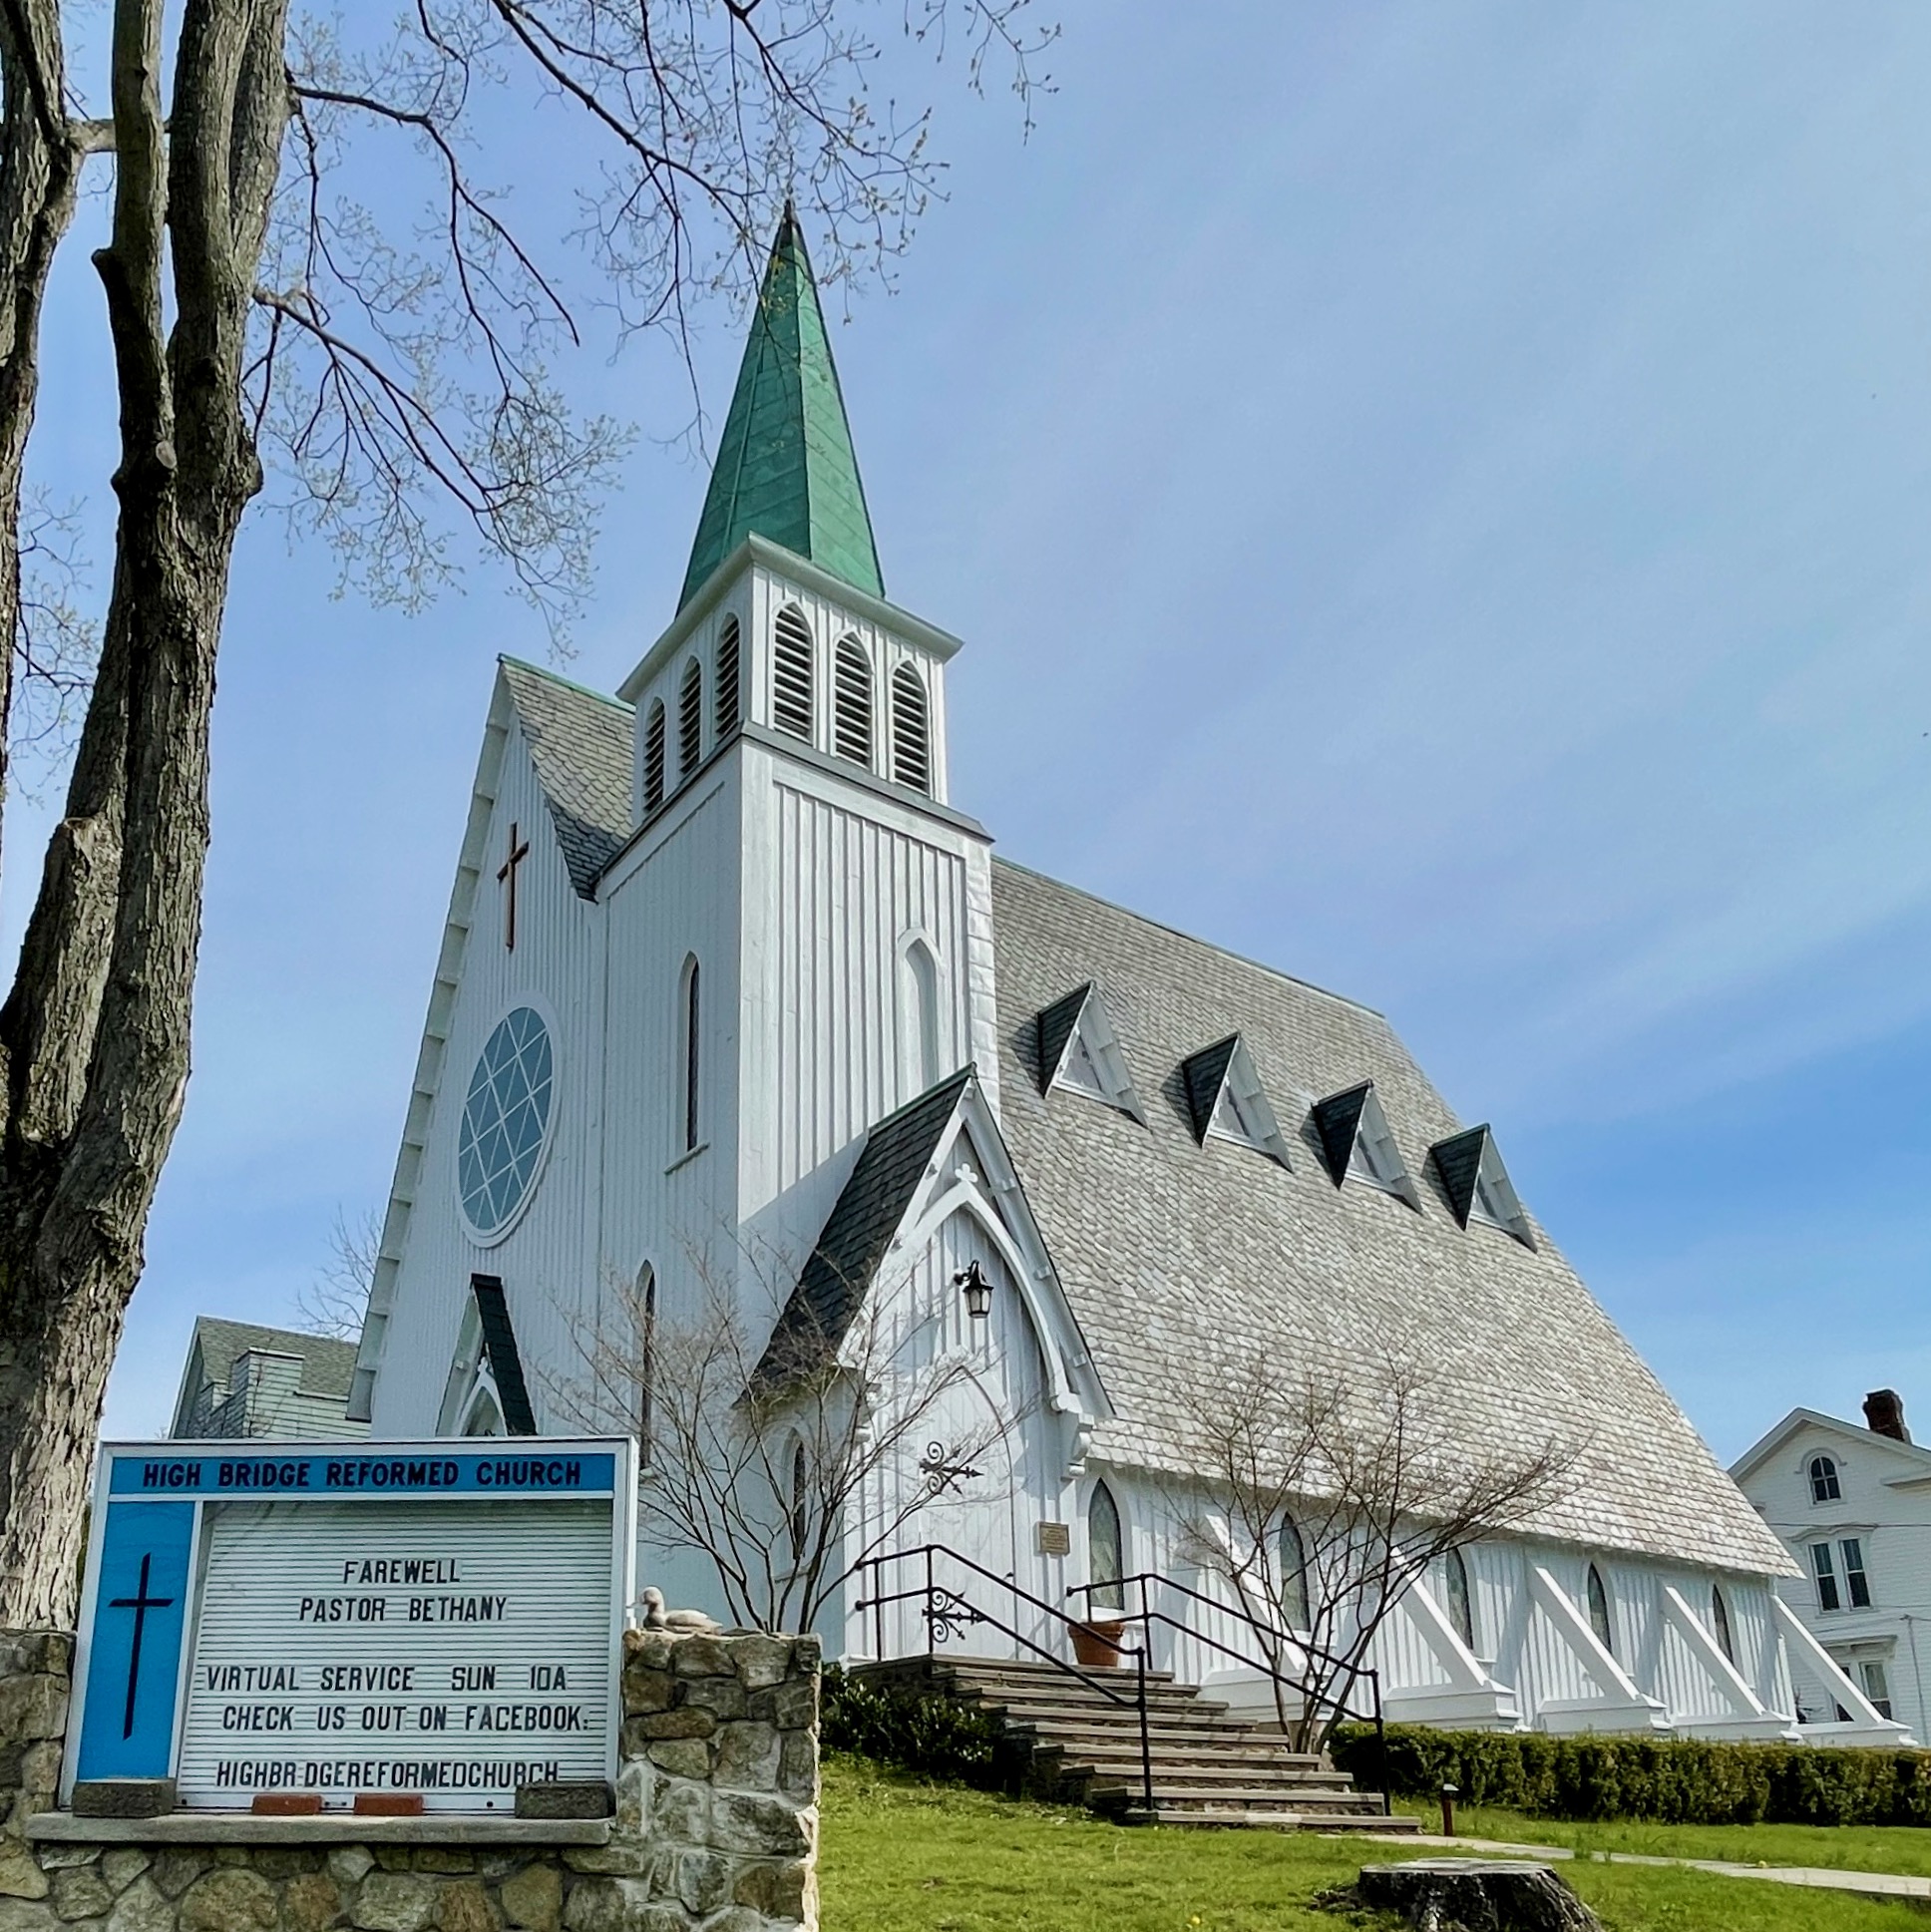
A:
(1243, 1818)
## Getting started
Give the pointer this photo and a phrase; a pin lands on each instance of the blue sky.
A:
(1435, 496)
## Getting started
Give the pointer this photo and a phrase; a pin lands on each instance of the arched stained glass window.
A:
(852, 702)
(506, 1115)
(911, 730)
(653, 757)
(1295, 1607)
(728, 661)
(692, 1010)
(799, 1512)
(1105, 1551)
(791, 681)
(646, 1360)
(1719, 1622)
(1599, 1612)
(1462, 1603)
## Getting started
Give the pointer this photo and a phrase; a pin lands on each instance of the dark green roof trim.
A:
(785, 466)
(1205, 1073)
(1338, 1119)
(1056, 1025)
(858, 1231)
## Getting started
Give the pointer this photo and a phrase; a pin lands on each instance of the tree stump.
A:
(1476, 1895)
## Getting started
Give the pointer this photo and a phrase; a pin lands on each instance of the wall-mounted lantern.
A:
(978, 1291)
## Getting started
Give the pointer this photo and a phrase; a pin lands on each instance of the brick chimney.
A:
(1884, 1414)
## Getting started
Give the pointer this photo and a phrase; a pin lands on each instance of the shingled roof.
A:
(1171, 1250)
(582, 743)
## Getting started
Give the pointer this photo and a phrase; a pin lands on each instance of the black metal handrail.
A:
(1147, 1616)
(944, 1608)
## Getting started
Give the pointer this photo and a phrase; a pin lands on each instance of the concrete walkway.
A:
(1868, 1884)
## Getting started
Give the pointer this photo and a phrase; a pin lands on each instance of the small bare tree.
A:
(334, 1303)
(780, 1451)
(1321, 1500)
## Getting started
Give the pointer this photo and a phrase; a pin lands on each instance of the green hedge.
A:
(1666, 1781)
(913, 1731)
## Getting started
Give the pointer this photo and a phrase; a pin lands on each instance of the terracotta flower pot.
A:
(1096, 1643)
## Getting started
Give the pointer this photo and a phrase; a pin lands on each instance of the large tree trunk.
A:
(97, 1027)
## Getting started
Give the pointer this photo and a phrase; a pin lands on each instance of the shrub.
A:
(912, 1730)
(1666, 1781)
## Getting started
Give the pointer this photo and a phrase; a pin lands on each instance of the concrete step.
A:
(1243, 1818)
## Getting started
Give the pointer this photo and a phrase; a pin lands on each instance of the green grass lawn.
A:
(900, 1856)
(1844, 1847)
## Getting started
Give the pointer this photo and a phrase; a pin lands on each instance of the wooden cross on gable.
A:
(507, 875)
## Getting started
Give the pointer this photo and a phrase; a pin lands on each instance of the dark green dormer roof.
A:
(785, 466)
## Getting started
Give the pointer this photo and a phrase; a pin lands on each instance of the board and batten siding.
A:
(549, 1258)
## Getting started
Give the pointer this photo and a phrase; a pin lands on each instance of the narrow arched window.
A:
(1295, 1608)
(922, 1017)
(1719, 1622)
(1599, 1610)
(690, 720)
(791, 697)
(1824, 1486)
(852, 702)
(1105, 1551)
(797, 1515)
(911, 732)
(653, 757)
(727, 680)
(691, 1011)
(1461, 1604)
(483, 1418)
(647, 1362)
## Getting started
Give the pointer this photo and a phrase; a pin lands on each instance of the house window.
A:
(791, 697)
(1826, 1572)
(727, 680)
(911, 732)
(1855, 1581)
(1599, 1610)
(1462, 1603)
(691, 1011)
(1823, 1480)
(1876, 1686)
(852, 702)
(653, 757)
(1719, 1623)
(690, 720)
(1105, 1551)
(646, 1360)
(1295, 1607)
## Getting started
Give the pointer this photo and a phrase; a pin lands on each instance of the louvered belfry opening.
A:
(852, 702)
(727, 677)
(911, 732)
(791, 703)
(653, 757)
(690, 720)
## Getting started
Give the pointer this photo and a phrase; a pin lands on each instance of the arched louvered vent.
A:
(852, 702)
(690, 720)
(653, 757)
(727, 675)
(791, 706)
(911, 732)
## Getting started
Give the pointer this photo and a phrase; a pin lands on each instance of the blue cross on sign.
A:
(139, 1614)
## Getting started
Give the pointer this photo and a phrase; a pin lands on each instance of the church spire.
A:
(785, 466)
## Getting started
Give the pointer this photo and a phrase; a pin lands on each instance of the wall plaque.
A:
(336, 1618)
(1054, 1539)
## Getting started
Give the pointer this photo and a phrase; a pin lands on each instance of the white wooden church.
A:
(726, 973)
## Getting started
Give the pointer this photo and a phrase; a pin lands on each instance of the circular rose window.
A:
(505, 1119)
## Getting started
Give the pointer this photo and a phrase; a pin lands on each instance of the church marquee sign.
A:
(339, 1618)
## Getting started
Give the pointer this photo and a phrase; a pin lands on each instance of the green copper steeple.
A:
(785, 466)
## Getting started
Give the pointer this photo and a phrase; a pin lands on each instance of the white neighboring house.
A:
(1853, 1507)
(731, 991)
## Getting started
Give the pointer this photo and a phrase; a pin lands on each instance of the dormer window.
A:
(792, 710)
(1477, 1184)
(1226, 1101)
(1824, 1487)
(1356, 1145)
(1079, 1049)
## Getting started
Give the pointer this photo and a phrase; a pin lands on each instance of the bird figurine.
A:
(681, 1623)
